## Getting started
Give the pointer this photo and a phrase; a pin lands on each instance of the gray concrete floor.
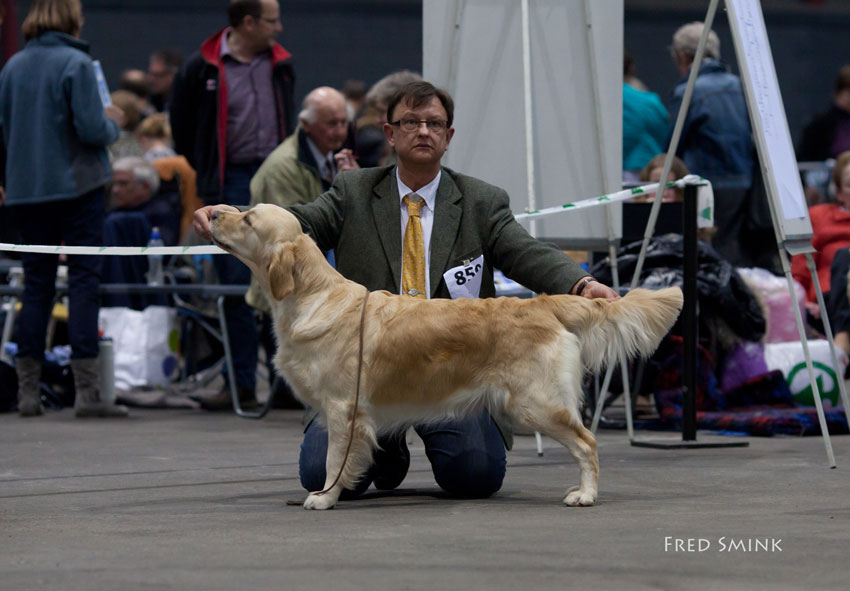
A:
(180, 499)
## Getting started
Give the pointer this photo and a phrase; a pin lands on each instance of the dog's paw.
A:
(319, 502)
(579, 498)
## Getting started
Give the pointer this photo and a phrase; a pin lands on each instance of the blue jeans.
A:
(241, 324)
(467, 457)
(77, 222)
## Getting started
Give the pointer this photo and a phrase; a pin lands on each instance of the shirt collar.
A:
(321, 159)
(226, 51)
(428, 192)
(225, 48)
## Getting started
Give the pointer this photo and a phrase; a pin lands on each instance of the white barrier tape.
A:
(112, 250)
(624, 195)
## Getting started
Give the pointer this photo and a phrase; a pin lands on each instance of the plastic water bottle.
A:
(155, 260)
(106, 367)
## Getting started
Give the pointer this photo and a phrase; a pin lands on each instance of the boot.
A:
(87, 384)
(29, 394)
(222, 400)
(283, 396)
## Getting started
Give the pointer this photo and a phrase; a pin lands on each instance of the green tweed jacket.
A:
(359, 217)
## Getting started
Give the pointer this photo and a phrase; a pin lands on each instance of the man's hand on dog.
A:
(203, 216)
(594, 290)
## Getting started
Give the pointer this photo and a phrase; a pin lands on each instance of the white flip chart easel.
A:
(779, 166)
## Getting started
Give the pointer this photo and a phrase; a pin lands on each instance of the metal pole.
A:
(827, 328)
(674, 141)
(690, 327)
(529, 120)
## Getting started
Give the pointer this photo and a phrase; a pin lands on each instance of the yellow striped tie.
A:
(413, 256)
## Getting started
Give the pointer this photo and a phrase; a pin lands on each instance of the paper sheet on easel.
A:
(770, 125)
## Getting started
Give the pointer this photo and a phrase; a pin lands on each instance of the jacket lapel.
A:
(447, 213)
(387, 213)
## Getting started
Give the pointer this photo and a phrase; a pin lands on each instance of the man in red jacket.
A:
(231, 106)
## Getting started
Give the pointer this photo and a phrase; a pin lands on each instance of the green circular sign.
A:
(802, 390)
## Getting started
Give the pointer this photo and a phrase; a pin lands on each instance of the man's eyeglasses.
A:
(409, 125)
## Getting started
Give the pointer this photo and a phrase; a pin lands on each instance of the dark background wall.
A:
(334, 40)
(331, 40)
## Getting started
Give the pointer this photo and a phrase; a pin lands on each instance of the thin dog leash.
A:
(356, 403)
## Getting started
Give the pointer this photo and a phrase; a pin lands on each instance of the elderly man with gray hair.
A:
(305, 164)
(136, 187)
(716, 140)
(134, 182)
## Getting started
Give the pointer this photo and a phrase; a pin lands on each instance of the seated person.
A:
(136, 207)
(154, 135)
(127, 143)
(830, 234)
(136, 186)
(826, 136)
(837, 302)
(372, 146)
(651, 173)
(177, 177)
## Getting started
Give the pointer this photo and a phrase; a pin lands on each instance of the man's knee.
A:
(470, 474)
(311, 472)
(312, 463)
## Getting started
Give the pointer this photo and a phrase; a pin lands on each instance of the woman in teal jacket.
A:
(55, 131)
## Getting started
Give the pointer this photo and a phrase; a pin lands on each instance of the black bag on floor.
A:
(8, 388)
(57, 385)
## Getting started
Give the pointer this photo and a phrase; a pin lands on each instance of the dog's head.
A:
(265, 238)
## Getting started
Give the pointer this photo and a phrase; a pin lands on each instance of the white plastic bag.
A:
(145, 344)
(789, 358)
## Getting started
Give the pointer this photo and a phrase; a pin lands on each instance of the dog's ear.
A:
(281, 268)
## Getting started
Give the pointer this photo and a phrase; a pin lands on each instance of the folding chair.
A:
(213, 322)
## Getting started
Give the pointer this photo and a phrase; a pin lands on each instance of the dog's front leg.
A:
(336, 452)
(354, 461)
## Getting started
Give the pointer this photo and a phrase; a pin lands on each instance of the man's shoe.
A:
(392, 461)
(222, 400)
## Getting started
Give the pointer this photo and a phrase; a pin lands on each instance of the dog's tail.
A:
(608, 331)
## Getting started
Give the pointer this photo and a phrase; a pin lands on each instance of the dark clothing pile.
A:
(722, 292)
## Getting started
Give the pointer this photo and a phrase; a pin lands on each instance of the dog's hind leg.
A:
(549, 417)
(354, 464)
(582, 445)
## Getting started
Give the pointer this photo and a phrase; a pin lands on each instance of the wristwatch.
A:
(582, 284)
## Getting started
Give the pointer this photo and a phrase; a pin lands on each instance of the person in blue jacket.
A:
(716, 141)
(55, 130)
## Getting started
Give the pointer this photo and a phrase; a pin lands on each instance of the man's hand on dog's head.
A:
(203, 216)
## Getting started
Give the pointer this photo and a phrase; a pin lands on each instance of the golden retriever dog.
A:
(425, 360)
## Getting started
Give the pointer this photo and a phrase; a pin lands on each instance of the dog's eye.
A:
(247, 220)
